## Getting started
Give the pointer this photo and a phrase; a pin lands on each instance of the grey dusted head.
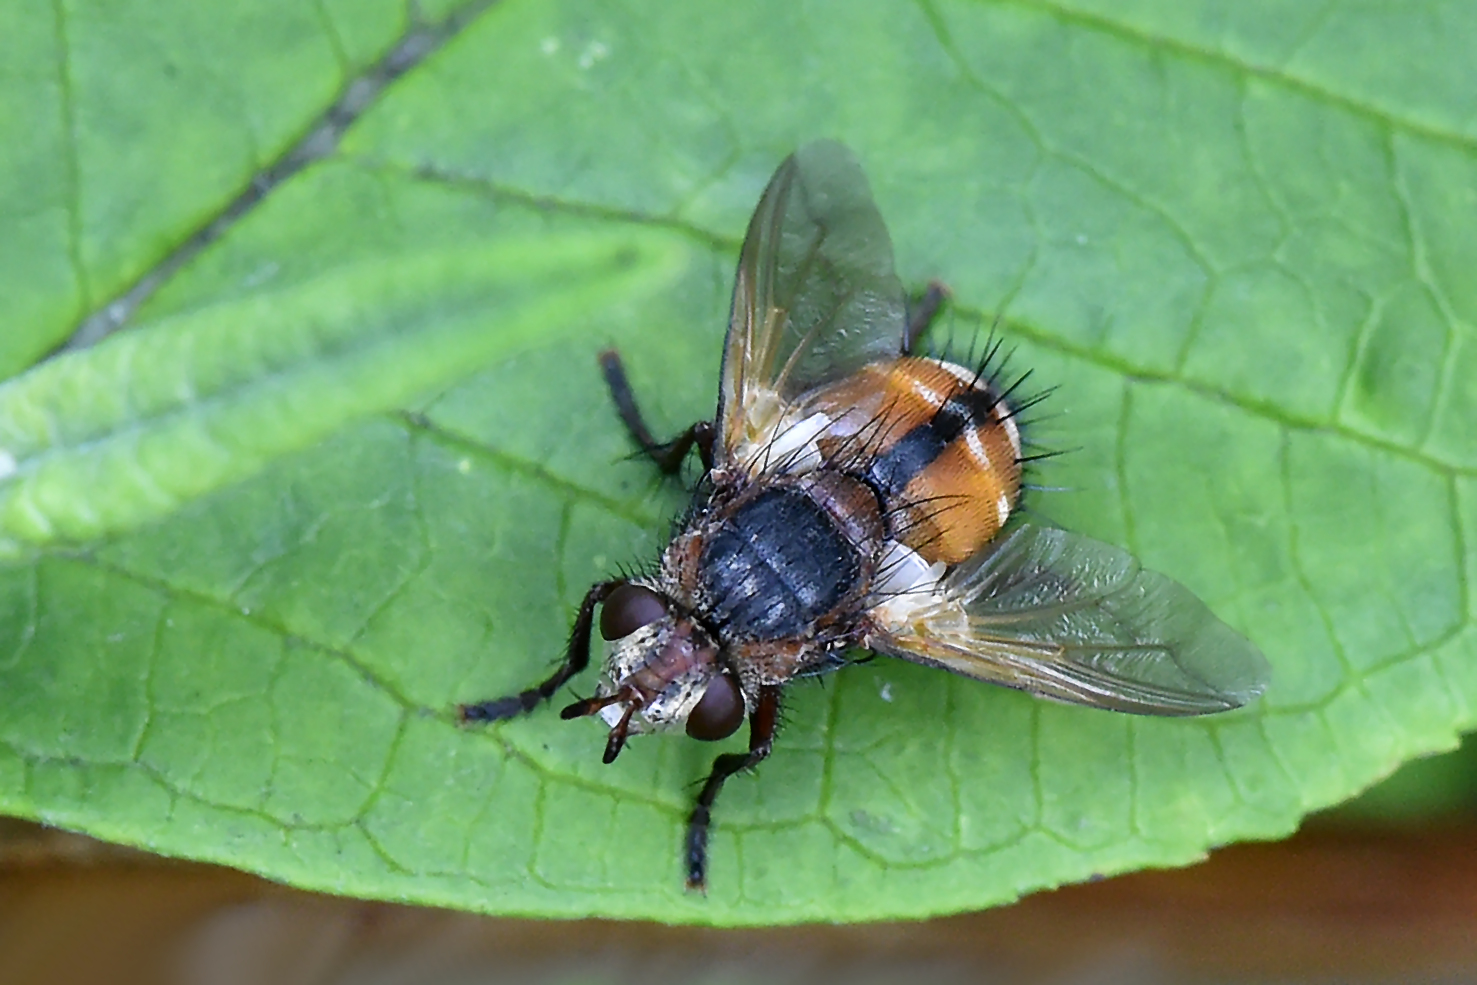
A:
(662, 672)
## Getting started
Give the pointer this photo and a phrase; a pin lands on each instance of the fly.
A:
(856, 494)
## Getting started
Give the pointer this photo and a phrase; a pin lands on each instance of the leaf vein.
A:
(320, 140)
(1188, 51)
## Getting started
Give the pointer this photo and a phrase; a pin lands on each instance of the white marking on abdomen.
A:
(1006, 417)
(1003, 411)
(966, 376)
(927, 393)
(976, 446)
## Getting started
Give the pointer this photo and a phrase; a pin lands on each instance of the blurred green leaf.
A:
(1231, 235)
(1441, 788)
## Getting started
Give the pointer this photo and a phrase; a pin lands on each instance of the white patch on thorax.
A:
(908, 584)
(777, 436)
(794, 445)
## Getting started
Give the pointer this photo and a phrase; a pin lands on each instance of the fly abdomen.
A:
(776, 564)
(893, 470)
(936, 443)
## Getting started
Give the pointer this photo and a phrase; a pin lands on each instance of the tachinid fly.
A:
(857, 495)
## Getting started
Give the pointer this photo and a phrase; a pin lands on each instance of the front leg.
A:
(668, 455)
(761, 740)
(576, 658)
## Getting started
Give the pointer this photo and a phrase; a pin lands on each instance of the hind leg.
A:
(921, 314)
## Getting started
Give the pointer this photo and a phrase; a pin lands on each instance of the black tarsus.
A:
(592, 706)
(762, 725)
(576, 658)
(616, 741)
(668, 455)
(921, 314)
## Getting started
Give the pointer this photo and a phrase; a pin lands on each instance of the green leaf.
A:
(349, 460)
(1432, 788)
(101, 441)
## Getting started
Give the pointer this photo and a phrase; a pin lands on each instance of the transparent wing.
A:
(1074, 619)
(815, 297)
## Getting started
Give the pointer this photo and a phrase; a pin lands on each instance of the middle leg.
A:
(668, 455)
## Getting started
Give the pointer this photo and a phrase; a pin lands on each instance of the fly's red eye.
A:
(628, 609)
(719, 711)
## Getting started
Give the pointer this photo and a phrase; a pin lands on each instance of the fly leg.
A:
(761, 740)
(576, 658)
(921, 314)
(668, 455)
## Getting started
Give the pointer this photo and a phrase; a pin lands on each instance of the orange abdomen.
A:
(936, 442)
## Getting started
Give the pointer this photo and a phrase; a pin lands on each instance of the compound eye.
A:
(719, 711)
(628, 609)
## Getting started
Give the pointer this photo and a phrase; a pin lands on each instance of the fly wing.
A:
(1071, 618)
(815, 297)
